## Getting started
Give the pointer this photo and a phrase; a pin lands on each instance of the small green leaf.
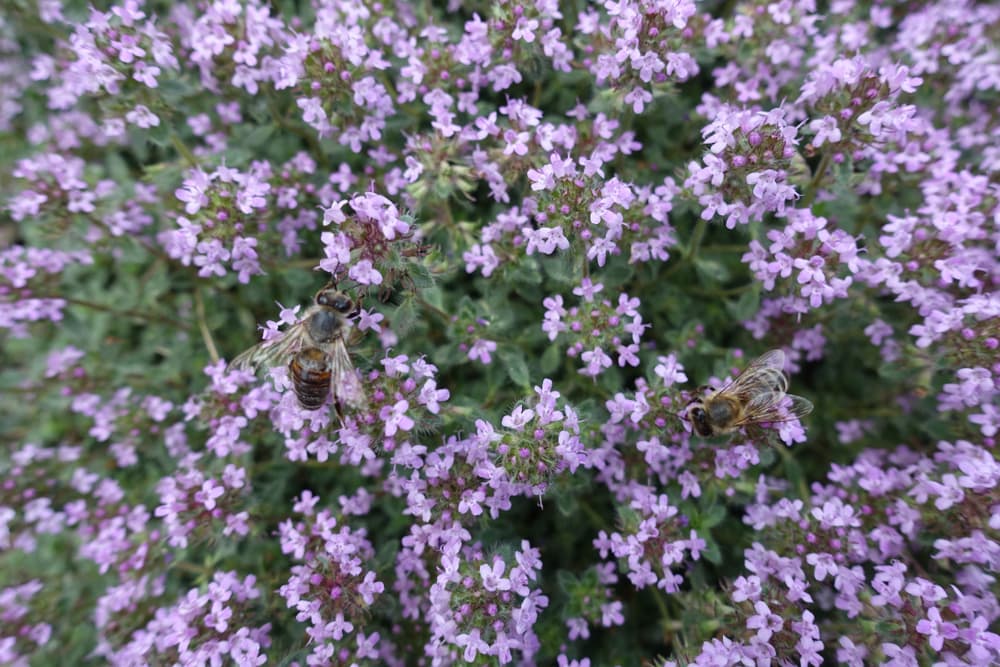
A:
(159, 135)
(405, 316)
(173, 90)
(420, 275)
(562, 269)
(711, 553)
(568, 504)
(617, 272)
(713, 517)
(259, 136)
(711, 270)
(517, 368)
(527, 272)
(550, 360)
(746, 306)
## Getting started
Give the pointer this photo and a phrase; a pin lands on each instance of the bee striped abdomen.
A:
(310, 372)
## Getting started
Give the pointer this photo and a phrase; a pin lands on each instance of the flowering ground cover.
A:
(542, 226)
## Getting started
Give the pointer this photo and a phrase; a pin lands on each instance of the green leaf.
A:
(421, 275)
(568, 504)
(711, 552)
(159, 135)
(550, 360)
(793, 471)
(259, 136)
(746, 306)
(713, 517)
(173, 90)
(527, 272)
(117, 168)
(616, 273)
(711, 270)
(405, 316)
(514, 363)
(562, 269)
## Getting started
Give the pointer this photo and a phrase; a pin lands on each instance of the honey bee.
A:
(315, 349)
(757, 395)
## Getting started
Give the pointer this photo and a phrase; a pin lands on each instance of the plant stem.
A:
(696, 237)
(183, 150)
(813, 187)
(206, 335)
(149, 317)
(728, 291)
(434, 309)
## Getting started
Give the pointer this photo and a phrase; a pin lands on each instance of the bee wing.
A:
(270, 353)
(344, 383)
(763, 375)
(775, 407)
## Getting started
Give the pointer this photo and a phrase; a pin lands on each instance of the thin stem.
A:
(434, 309)
(662, 605)
(184, 151)
(726, 247)
(307, 263)
(192, 568)
(728, 291)
(149, 317)
(206, 335)
(787, 457)
(148, 247)
(592, 513)
(813, 186)
(696, 237)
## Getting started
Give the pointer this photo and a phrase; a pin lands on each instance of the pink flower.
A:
(364, 273)
(395, 417)
(481, 350)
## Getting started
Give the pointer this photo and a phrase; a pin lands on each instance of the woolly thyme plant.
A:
(557, 219)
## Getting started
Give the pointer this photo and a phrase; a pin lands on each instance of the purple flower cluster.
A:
(653, 543)
(366, 245)
(639, 183)
(329, 587)
(811, 254)
(217, 206)
(111, 52)
(744, 176)
(851, 544)
(207, 625)
(21, 634)
(191, 505)
(596, 325)
(602, 223)
(23, 273)
(485, 606)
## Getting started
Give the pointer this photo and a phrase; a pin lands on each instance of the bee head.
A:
(699, 420)
(333, 298)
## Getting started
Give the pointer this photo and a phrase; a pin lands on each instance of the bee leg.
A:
(339, 409)
(354, 337)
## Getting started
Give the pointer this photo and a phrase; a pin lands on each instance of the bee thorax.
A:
(325, 325)
(721, 411)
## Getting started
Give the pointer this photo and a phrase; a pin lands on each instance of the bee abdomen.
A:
(310, 371)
